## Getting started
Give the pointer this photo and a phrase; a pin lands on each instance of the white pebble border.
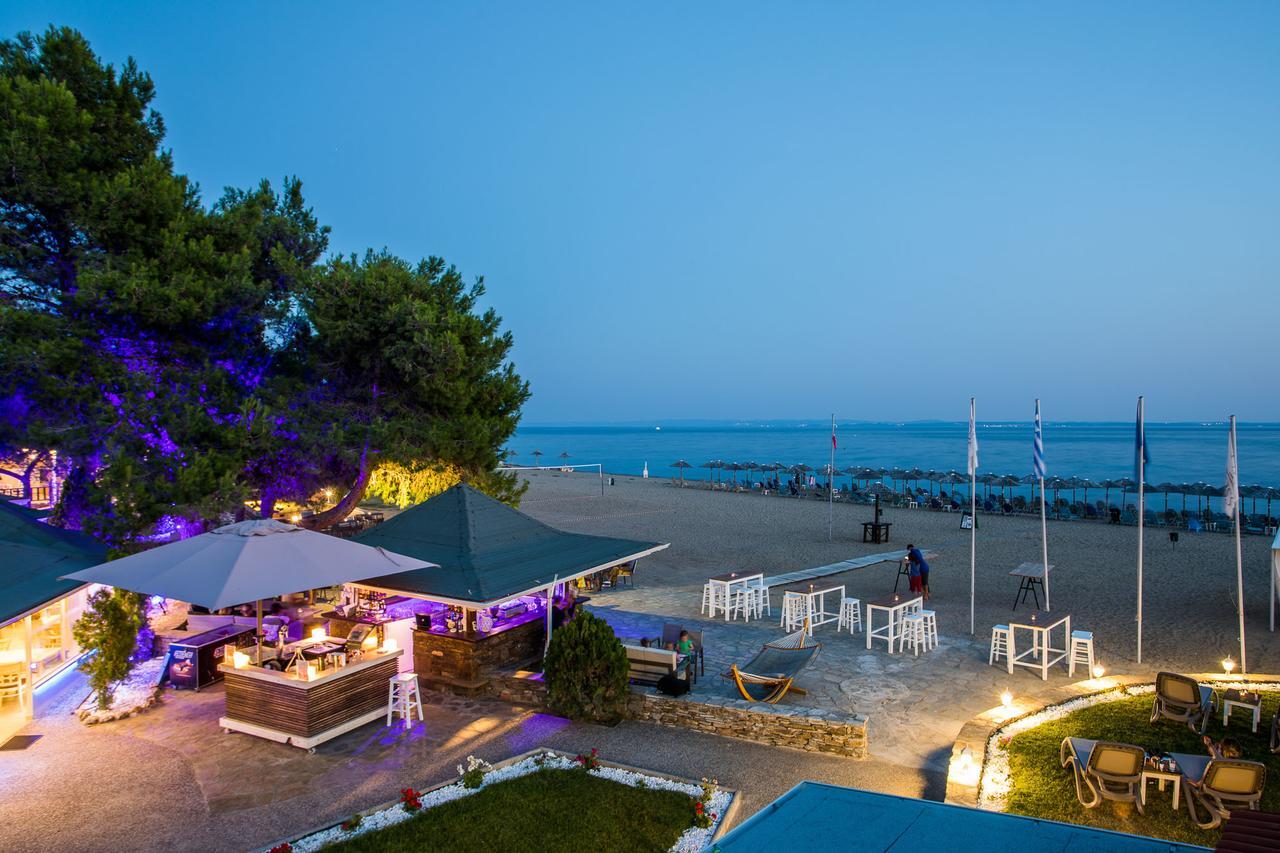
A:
(993, 786)
(135, 693)
(694, 839)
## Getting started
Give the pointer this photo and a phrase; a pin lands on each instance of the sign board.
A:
(966, 521)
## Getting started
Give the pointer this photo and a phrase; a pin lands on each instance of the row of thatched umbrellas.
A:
(870, 477)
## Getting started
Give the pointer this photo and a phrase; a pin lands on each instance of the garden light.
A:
(1006, 699)
(1098, 671)
(1228, 664)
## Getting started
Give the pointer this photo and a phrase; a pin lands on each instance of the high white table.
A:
(727, 584)
(893, 606)
(1042, 654)
(815, 607)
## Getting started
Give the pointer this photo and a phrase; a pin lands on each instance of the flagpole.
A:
(1141, 453)
(1044, 525)
(973, 514)
(831, 481)
(1235, 487)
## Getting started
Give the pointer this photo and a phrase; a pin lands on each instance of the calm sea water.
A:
(1181, 452)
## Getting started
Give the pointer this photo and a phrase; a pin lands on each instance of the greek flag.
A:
(973, 441)
(1140, 455)
(1231, 489)
(1037, 449)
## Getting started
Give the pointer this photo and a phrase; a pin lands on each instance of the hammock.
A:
(769, 675)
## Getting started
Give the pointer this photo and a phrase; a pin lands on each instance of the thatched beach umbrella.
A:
(1086, 484)
(1166, 488)
(1006, 481)
(681, 464)
(751, 465)
(564, 458)
(896, 475)
(882, 491)
(711, 465)
(953, 478)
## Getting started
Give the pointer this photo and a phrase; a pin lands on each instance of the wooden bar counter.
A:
(282, 707)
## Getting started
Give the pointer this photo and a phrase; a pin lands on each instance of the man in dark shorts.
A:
(914, 555)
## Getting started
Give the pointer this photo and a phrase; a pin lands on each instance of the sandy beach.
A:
(1189, 607)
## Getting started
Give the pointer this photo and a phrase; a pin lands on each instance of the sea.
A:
(1178, 452)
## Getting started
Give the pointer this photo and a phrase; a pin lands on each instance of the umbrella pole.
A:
(259, 634)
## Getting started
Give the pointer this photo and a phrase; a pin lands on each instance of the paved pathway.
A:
(171, 780)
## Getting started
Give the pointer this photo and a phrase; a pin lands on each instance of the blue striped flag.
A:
(1037, 449)
(1140, 455)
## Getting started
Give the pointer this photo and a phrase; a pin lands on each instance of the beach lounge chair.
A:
(1183, 700)
(769, 675)
(1212, 787)
(1104, 771)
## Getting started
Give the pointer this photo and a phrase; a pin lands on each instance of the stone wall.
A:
(798, 728)
(472, 660)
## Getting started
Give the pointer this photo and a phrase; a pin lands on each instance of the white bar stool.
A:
(746, 602)
(912, 627)
(930, 627)
(403, 697)
(794, 611)
(763, 604)
(1081, 652)
(850, 614)
(999, 644)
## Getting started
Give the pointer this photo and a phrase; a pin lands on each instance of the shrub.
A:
(108, 633)
(586, 671)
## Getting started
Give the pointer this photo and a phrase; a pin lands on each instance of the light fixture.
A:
(239, 660)
(1098, 671)
(1228, 665)
(296, 517)
(1006, 699)
(317, 634)
(369, 643)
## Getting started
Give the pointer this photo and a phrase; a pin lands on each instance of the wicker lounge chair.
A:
(1183, 700)
(1104, 771)
(1214, 786)
(769, 675)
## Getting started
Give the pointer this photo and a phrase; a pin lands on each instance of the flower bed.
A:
(1021, 773)
(707, 804)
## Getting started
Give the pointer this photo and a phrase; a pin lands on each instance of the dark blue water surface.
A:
(1182, 452)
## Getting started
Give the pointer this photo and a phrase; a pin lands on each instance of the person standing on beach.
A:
(920, 565)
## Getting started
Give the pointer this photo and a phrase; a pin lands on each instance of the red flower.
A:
(697, 807)
(286, 847)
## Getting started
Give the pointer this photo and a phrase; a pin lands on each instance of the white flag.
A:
(973, 441)
(1231, 488)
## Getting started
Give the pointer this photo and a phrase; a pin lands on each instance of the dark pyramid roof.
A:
(486, 550)
(33, 556)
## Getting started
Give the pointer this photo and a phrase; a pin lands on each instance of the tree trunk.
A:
(347, 505)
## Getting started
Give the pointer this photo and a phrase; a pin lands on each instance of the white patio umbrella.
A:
(247, 561)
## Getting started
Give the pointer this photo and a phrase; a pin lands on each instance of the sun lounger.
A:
(1212, 787)
(769, 675)
(1104, 771)
(1182, 700)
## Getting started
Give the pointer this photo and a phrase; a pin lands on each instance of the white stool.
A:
(746, 602)
(850, 614)
(999, 644)
(795, 608)
(930, 627)
(912, 627)
(1081, 652)
(403, 697)
(763, 605)
(708, 597)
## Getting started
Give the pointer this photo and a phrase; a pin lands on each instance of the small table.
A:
(1236, 699)
(876, 531)
(1161, 777)
(894, 606)
(1032, 575)
(1042, 654)
(727, 583)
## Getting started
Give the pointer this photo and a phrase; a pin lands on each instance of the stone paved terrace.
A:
(916, 705)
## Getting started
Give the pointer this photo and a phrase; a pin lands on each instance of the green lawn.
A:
(1042, 788)
(548, 810)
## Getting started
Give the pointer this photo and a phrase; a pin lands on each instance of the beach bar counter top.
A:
(311, 701)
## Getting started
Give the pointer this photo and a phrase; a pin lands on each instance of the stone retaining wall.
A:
(776, 725)
(798, 728)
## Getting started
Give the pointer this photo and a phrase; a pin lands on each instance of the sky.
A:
(747, 210)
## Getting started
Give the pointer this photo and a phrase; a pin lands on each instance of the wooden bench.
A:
(649, 665)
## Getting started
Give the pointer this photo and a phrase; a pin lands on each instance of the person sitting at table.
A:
(685, 645)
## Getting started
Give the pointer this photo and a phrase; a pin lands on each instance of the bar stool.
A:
(1081, 652)
(763, 605)
(746, 602)
(712, 598)
(795, 607)
(999, 644)
(912, 627)
(930, 618)
(403, 697)
(850, 614)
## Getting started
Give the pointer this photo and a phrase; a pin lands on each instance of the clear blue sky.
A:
(751, 211)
